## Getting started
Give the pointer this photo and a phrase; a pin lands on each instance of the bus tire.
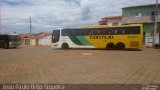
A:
(110, 46)
(65, 46)
(120, 46)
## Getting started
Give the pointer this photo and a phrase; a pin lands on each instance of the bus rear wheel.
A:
(120, 46)
(110, 46)
(65, 46)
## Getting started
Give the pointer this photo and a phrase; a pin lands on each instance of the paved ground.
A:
(46, 65)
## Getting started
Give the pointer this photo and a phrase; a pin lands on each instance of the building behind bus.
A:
(142, 14)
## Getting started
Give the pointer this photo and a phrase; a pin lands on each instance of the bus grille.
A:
(134, 44)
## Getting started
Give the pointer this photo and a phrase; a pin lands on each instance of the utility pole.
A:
(30, 21)
(155, 25)
(0, 20)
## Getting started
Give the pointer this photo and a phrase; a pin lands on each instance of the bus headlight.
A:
(55, 45)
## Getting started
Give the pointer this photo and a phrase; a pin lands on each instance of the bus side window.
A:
(135, 30)
(64, 33)
(128, 31)
(69, 32)
(123, 31)
(102, 31)
(115, 31)
(87, 31)
(131, 31)
(78, 32)
(82, 32)
(96, 32)
(107, 31)
(119, 31)
(99, 32)
(91, 32)
(73, 33)
(111, 31)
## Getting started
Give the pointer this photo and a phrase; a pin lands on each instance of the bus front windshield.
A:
(55, 36)
(14, 38)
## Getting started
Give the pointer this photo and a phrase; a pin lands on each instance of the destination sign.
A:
(101, 37)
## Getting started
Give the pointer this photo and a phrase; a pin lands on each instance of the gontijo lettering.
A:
(101, 37)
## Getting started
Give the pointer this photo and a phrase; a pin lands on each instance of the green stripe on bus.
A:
(83, 40)
(75, 40)
(79, 40)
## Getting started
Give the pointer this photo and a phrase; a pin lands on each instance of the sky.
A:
(51, 14)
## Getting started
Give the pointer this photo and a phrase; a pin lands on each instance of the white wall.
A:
(45, 40)
(149, 40)
(111, 21)
(33, 42)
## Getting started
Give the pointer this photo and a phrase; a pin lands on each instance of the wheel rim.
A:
(65, 46)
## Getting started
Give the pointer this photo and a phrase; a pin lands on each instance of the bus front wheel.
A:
(120, 46)
(65, 46)
(110, 46)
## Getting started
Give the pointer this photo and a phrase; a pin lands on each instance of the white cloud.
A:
(49, 14)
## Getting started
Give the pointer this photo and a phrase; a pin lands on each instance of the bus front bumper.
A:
(14, 44)
(54, 45)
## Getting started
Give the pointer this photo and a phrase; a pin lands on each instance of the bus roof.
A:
(105, 26)
(8, 34)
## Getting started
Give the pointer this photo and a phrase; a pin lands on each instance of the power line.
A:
(0, 20)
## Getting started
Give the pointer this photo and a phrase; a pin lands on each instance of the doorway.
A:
(27, 41)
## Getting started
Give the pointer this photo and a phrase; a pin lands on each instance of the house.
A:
(143, 14)
(111, 21)
(44, 38)
(28, 39)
